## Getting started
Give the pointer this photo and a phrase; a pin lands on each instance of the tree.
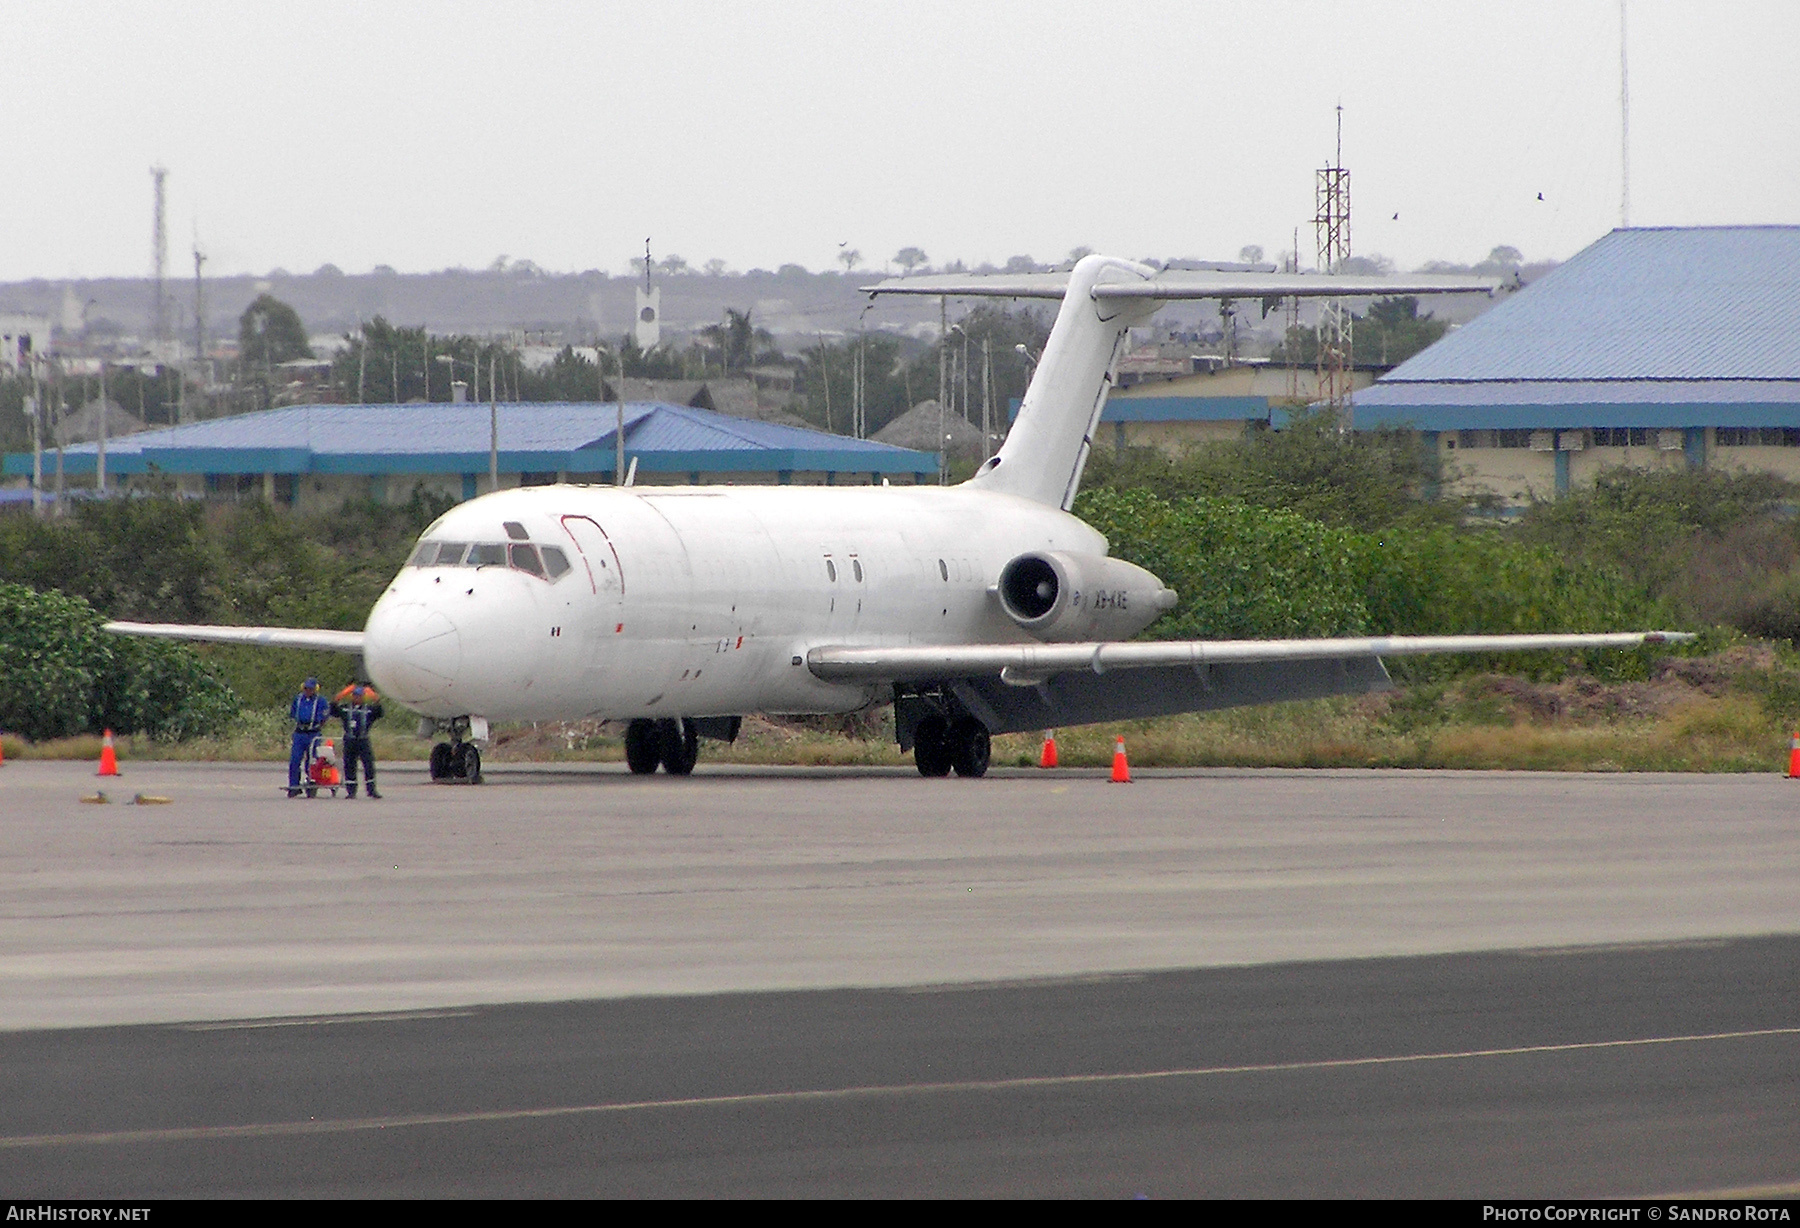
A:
(715, 267)
(1348, 479)
(737, 339)
(1250, 253)
(1021, 264)
(849, 258)
(1392, 332)
(270, 332)
(910, 258)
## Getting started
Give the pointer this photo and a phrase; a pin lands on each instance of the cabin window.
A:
(944, 570)
(515, 530)
(451, 553)
(856, 566)
(556, 562)
(831, 570)
(487, 555)
(525, 558)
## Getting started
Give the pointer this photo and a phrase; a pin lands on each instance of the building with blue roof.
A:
(315, 456)
(1658, 348)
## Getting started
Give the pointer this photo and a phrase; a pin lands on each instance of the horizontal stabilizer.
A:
(262, 637)
(1187, 284)
(1027, 664)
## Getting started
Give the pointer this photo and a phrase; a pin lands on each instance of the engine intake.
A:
(1061, 597)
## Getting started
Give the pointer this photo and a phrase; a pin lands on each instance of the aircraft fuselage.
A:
(692, 601)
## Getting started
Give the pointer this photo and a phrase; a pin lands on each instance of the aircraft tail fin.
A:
(1103, 298)
(1048, 446)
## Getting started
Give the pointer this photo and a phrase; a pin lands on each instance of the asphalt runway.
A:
(1616, 1073)
(1038, 983)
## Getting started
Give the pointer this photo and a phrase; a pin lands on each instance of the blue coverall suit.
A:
(309, 713)
(357, 718)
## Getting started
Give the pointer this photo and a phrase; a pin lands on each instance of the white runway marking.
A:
(348, 1125)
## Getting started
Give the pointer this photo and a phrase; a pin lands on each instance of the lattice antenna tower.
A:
(1331, 226)
(159, 260)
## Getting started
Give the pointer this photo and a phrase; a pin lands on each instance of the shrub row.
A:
(61, 674)
(1246, 572)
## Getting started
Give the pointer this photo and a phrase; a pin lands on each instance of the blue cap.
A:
(312, 682)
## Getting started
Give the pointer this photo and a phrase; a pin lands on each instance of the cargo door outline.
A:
(609, 578)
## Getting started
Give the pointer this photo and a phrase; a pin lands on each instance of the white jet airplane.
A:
(976, 609)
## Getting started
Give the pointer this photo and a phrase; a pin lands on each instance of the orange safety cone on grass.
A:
(1048, 758)
(109, 759)
(1121, 774)
(1794, 757)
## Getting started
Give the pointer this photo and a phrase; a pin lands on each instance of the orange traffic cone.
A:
(1048, 758)
(109, 760)
(1794, 757)
(1121, 769)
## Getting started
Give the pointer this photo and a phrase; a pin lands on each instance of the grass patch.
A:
(1730, 712)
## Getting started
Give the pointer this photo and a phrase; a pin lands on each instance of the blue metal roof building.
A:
(312, 448)
(1657, 347)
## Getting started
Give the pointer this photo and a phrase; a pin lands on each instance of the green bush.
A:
(1246, 572)
(1241, 572)
(61, 674)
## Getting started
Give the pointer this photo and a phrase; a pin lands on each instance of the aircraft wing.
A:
(262, 637)
(1188, 284)
(1017, 687)
(1028, 664)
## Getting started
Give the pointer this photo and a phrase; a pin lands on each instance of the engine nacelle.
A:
(1061, 597)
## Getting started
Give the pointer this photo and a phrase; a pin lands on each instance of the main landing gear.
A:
(457, 762)
(943, 735)
(672, 744)
(961, 745)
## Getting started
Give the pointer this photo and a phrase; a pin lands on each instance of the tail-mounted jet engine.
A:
(1062, 597)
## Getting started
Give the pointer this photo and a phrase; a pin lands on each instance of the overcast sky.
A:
(426, 136)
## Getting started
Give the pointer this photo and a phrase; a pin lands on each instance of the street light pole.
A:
(943, 387)
(100, 454)
(493, 428)
(619, 439)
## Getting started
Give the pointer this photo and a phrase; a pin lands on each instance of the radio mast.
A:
(1331, 226)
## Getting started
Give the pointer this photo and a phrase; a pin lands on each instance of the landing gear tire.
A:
(465, 762)
(680, 746)
(643, 747)
(969, 747)
(440, 761)
(931, 746)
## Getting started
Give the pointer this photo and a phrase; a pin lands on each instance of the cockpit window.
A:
(546, 563)
(515, 530)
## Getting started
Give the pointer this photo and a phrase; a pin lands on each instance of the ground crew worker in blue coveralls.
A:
(358, 709)
(310, 710)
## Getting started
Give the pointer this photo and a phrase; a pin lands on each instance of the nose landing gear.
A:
(457, 762)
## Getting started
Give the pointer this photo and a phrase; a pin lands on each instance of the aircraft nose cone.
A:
(413, 652)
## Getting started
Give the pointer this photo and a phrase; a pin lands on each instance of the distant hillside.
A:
(792, 303)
